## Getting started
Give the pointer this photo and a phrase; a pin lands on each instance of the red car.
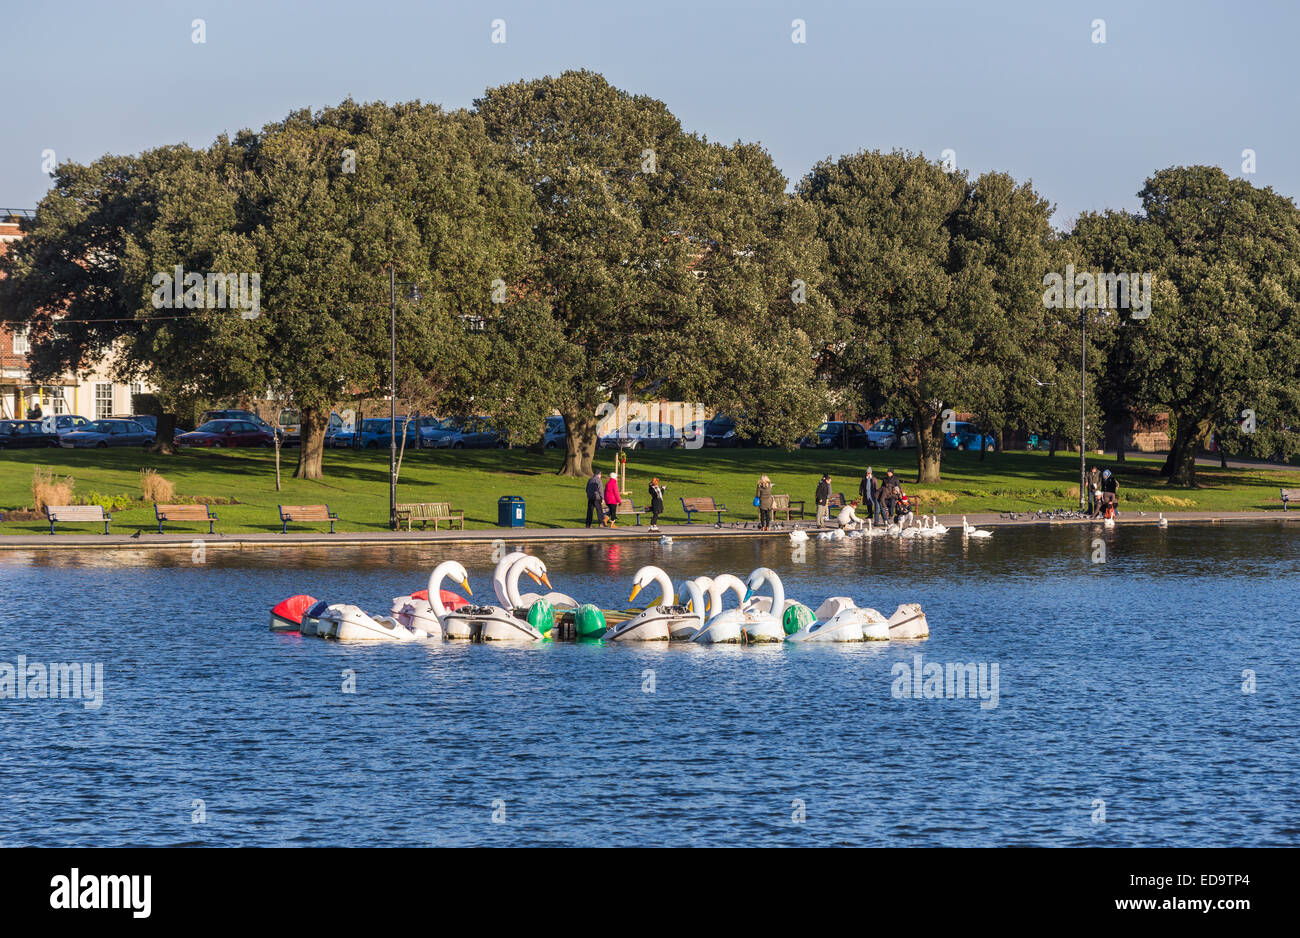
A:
(226, 433)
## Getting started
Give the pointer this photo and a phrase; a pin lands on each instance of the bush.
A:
(934, 496)
(46, 491)
(109, 503)
(155, 488)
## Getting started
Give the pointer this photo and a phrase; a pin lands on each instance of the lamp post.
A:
(1083, 408)
(413, 293)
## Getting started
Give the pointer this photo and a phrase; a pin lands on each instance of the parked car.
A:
(476, 433)
(838, 434)
(643, 434)
(886, 430)
(226, 433)
(65, 422)
(437, 432)
(967, 436)
(556, 433)
(102, 433)
(21, 434)
(375, 433)
(148, 421)
(210, 415)
(721, 431)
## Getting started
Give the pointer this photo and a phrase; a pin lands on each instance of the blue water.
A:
(1119, 682)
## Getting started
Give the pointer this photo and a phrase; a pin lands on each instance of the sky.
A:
(1018, 87)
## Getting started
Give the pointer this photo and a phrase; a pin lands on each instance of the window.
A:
(103, 401)
(60, 402)
(21, 344)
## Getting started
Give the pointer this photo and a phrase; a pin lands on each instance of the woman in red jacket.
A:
(612, 498)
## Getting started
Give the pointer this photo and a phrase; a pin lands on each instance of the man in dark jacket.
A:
(889, 490)
(869, 489)
(596, 499)
(822, 497)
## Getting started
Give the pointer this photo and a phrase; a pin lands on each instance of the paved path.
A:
(255, 541)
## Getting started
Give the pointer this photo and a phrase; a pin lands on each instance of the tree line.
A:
(572, 242)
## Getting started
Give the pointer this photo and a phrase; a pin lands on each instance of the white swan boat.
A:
(653, 623)
(426, 613)
(908, 621)
(349, 623)
(723, 626)
(499, 624)
(764, 626)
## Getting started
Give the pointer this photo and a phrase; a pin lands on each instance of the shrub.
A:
(109, 503)
(1170, 501)
(46, 491)
(934, 496)
(155, 488)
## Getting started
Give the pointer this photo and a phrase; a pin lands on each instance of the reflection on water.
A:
(1119, 681)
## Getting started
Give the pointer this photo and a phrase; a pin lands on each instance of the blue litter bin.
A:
(510, 511)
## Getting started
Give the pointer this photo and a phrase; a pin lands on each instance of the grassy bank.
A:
(356, 483)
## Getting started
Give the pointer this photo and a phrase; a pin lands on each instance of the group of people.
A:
(604, 497)
(1103, 494)
(883, 500)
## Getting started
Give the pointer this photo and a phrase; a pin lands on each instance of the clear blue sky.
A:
(1009, 85)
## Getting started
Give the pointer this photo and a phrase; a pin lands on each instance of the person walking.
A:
(869, 489)
(763, 496)
(656, 503)
(595, 492)
(612, 499)
(823, 497)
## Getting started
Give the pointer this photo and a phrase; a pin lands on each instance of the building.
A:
(93, 394)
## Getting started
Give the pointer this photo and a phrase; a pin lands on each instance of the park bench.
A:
(782, 503)
(77, 514)
(302, 513)
(199, 513)
(626, 507)
(1289, 495)
(835, 502)
(424, 512)
(703, 503)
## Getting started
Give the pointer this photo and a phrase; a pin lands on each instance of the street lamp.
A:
(412, 293)
(1083, 404)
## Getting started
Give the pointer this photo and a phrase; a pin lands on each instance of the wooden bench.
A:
(1289, 495)
(783, 503)
(199, 513)
(626, 507)
(302, 513)
(835, 502)
(77, 514)
(703, 503)
(424, 512)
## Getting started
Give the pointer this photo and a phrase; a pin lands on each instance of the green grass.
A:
(356, 483)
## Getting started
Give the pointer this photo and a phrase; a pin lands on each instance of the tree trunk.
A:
(579, 445)
(312, 449)
(1051, 446)
(1182, 452)
(929, 448)
(163, 445)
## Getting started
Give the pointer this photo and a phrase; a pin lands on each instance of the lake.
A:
(1149, 699)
